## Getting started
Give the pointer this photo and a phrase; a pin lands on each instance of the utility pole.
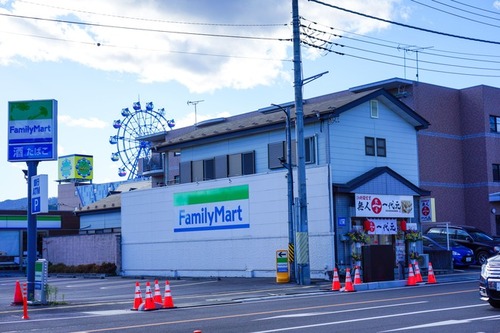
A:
(195, 113)
(302, 236)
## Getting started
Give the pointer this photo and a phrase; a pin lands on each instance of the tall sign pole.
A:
(302, 239)
(32, 137)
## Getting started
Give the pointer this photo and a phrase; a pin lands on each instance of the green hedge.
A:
(104, 268)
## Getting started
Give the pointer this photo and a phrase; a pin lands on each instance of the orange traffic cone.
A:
(168, 301)
(18, 296)
(157, 295)
(348, 282)
(418, 275)
(138, 297)
(431, 278)
(336, 281)
(411, 277)
(149, 303)
(357, 276)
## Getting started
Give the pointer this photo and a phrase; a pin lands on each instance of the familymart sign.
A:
(213, 209)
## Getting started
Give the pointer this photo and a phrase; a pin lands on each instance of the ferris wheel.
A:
(129, 141)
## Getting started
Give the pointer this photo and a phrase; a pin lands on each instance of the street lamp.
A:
(287, 163)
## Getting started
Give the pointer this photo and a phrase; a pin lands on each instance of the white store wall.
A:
(151, 247)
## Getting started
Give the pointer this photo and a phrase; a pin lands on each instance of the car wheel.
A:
(493, 303)
(482, 257)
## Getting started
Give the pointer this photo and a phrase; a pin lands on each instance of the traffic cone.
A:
(357, 276)
(18, 295)
(149, 303)
(348, 282)
(168, 301)
(157, 295)
(336, 281)
(411, 278)
(25, 302)
(138, 297)
(431, 278)
(418, 275)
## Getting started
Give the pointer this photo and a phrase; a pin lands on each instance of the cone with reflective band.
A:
(168, 301)
(18, 295)
(25, 302)
(431, 278)
(357, 276)
(336, 281)
(157, 295)
(418, 275)
(137, 297)
(411, 277)
(348, 282)
(149, 303)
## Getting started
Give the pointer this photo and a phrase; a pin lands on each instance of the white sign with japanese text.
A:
(374, 205)
(382, 227)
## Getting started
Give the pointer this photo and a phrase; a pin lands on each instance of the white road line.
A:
(310, 314)
(443, 323)
(292, 328)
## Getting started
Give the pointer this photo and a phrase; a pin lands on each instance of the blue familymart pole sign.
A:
(32, 130)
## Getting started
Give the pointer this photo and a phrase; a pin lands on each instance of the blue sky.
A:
(97, 57)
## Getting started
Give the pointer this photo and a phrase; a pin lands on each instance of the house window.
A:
(374, 108)
(310, 149)
(495, 124)
(276, 154)
(241, 164)
(369, 146)
(496, 172)
(379, 150)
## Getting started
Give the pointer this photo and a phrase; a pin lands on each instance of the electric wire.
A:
(406, 25)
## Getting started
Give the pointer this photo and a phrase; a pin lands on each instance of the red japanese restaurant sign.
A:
(374, 205)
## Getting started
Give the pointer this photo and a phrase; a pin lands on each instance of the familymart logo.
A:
(214, 209)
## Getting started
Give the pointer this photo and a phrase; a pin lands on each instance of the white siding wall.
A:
(348, 146)
(150, 246)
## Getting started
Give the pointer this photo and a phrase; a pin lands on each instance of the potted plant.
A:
(357, 236)
(413, 235)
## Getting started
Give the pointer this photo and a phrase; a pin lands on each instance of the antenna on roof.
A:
(195, 115)
(412, 48)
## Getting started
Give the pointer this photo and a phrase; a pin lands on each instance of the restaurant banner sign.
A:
(374, 205)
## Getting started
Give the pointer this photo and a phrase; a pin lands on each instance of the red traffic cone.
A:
(149, 303)
(157, 295)
(138, 297)
(431, 278)
(411, 277)
(336, 281)
(25, 302)
(168, 301)
(348, 282)
(357, 276)
(18, 295)
(418, 275)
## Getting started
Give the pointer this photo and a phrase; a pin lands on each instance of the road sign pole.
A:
(32, 234)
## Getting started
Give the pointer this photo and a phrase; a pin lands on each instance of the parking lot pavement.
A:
(75, 290)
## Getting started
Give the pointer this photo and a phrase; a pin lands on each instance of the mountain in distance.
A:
(22, 204)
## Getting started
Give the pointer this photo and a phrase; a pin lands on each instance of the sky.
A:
(229, 56)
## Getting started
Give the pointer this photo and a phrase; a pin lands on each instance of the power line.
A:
(398, 65)
(156, 20)
(144, 29)
(406, 25)
(456, 15)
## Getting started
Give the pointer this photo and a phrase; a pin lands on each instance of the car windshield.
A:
(479, 236)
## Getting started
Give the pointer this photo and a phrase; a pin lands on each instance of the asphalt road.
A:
(253, 305)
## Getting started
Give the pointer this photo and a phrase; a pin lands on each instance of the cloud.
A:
(176, 40)
(91, 122)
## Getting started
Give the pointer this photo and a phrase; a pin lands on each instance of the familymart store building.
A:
(222, 227)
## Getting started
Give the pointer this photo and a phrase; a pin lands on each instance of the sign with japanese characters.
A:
(427, 210)
(382, 227)
(374, 205)
(32, 130)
